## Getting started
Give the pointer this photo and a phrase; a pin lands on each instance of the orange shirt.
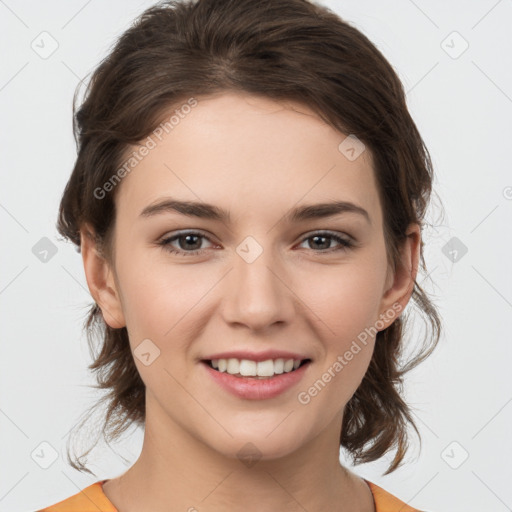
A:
(93, 499)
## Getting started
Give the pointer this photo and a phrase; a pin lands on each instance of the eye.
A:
(320, 237)
(189, 242)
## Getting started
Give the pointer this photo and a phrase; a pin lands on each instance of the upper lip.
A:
(256, 356)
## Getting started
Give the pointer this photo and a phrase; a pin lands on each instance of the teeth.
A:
(248, 368)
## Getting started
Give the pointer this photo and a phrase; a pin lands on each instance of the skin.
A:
(258, 159)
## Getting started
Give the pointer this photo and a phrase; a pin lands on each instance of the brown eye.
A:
(322, 241)
(189, 243)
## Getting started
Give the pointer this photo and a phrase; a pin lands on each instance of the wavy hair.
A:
(284, 50)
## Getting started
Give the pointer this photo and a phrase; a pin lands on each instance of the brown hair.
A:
(283, 50)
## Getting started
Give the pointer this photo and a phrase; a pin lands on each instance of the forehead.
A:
(250, 154)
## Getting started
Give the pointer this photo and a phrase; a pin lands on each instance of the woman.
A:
(248, 200)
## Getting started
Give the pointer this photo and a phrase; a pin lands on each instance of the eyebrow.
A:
(209, 211)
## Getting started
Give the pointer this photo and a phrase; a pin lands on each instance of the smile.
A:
(255, 387)
(260, 369)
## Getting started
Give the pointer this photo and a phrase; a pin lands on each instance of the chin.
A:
(251, 447)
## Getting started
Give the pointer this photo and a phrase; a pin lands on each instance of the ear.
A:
(400, 284)
(100, 279)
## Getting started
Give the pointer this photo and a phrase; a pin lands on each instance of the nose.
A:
(258, 293)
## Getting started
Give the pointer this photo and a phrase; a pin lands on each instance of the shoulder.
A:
(90, 499)
(386, 502)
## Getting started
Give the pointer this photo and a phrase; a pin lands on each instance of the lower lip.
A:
(257, 389)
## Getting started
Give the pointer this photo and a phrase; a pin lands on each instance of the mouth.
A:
(248, 374)
(251, 380)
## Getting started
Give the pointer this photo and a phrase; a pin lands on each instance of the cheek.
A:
(344, 299)
(344, 313)
(156, 293)
(158, 305)
(345, 305)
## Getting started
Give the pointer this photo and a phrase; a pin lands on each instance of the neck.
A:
(177, 471)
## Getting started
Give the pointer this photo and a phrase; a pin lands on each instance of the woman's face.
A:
(258, 281)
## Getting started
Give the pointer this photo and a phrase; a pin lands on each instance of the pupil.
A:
(317, 237)
(188, 237)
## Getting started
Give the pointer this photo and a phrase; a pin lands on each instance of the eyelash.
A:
(165, 243)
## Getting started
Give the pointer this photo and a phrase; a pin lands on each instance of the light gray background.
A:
(462, 104)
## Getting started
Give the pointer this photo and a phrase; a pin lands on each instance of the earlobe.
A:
(100, 280)
(399, 292)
